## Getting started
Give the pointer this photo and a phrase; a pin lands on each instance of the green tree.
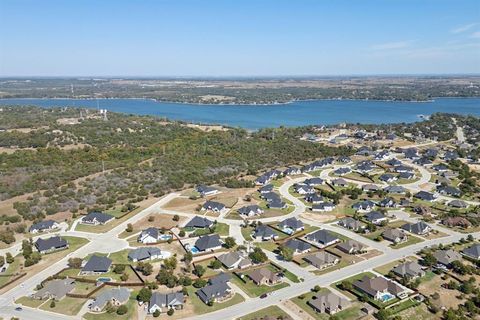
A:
(229, 242)
(144, 295)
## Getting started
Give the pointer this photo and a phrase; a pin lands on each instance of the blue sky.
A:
(238, 38)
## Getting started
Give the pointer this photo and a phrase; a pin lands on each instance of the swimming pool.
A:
(194, 250)
(288, 230)
(104, 279)
(386, 297)
(165, 237)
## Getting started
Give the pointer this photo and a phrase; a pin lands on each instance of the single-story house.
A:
(96, 265)
(51, 244)
(351, 247)
(327, 302)
(264, 232)
(351, 224)
(375, 217)
(298, 246)
(263, 276)
(145, 253)
(472, 252)
(322, 238)
(209, 242)
(97, 218)
(45, 225)
(291, 225)
(380, 288)
(395, 235)
(322, 259)
(234, 260)
(409, 269)
(446, 257)
(206, 190)
(166, 301)
(149, 235)
(116, 296)
(199, 222)
(214, 206)
(250, 211)
(323, 207)
(420, 228)
(55, 289)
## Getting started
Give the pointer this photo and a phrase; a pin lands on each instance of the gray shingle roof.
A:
(52, 243)
(119, 294)
(97, 264)
(207, 242)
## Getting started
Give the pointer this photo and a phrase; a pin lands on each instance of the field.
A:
(68, 306)
(250, 288)
(272, 311)
(161, 220)
(200, 308)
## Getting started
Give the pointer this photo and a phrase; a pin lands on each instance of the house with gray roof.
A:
(323, 207)
(96, 265)
(234, 260)
(209, 242)
(314, 198)
(322, 238)
(411, 270)
(322, 259)
(264, 276)
(298, 246)
(370, 187)
(215, 292)
(266, 189)
(51, 244)
(351, 247)
(472, 252)
(363, 206)
(55, 289)
(425, 196)
(446, 257)
(420, 228)
(116, 296)
(380, 288)
(276, 204)
(199, 222)
(291, 225)
(97, 218)
(449, 191)
(395, 189)
(166, 301)
(395, 235)
(387, 177)
(327, 302)
(351, 224)
(214, 206)
(264, 232)
(204, 190)
(149, 235)
(340, 182)
(375, 217)
(144, 253)
(315, 181)
(45, 225)
(459, 204)
(250, 211)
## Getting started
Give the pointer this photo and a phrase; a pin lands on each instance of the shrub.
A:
(122, 310)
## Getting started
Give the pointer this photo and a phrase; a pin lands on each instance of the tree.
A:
(170, 312)
(75, 263)
(181, 234)
(188, 257)
(52, 304)
(2, 261)
(346, 285)
(170, 263)
(156, 314)
(124, 277)
(286, 253)
(382, 314)
(176, 217)
(122, 309)
(215, 264)
(129, 228)
(151, 218)
(144, 295)
(200, 283)
(9, 257)
(199, 270)
(146, 268)
(258, 256)
(229, 242)
(429, 259)
(119, 268)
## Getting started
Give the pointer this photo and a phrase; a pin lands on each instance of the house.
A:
(380, 288)
(149, 235)
(263, 276)
(344, 159)
(323, 207)
(472, 252)
(322, 259)
(401, 168)
(276, 204)
(370, 187)
(327, 302)
(422, 210)
(340, 182)
(166, 301)
(234, 260)
(458, 204)
(97, 218)
(387, 177)
(206, 190)
(323, 238)
(406, 175)
(51, 244)
(410, 153)
(342, 171)
(266, 189)
(145, 253)
(430, 153)
(457, 222)
(423, 161)
(313, 181)
(116, 296)
(45, 225)
(214, 206)
(222, 277)
(199, 222)
(314, 198)
(411, 270)
(292, 171)
(264, 232)
(270, 197)
(96, 265)
(449, 191)
(382, 155)
(217, 292)
(395, 235)
(262, 180)
(303, 189)
(440, 168)
(394, 162)
(250, 211)
(291, 225)
(209, 242)
(395, 189)
(446, 257)
(298, 246)
(420, 228)
(375, 217)
(450, 155)
(363, 206)
(425, 196)
(351, 247)
(55, 289)
(388, 203)
(351, 224)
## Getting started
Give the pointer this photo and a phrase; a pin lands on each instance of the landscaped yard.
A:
(68, 306)
(272, 311)
(201, 308)
(30, 302)
(250, 288)
(222, 229)
(131, 306)
(411, 240)
(120, 257)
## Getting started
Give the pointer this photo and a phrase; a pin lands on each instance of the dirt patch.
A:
(447, 298)
(319, 217)
(162, 220)
(292, 307)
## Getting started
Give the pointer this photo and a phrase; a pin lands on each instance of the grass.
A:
(116, 211)
(200, 308)
(68, 306)
(12, 268)
(208, 271)
(411, 240)
(114, 276)
(120, 257)
(113, 316)
(267, 245)
(252, 290)
(272, 311)
(222, 229)
(106, 227)
(247, 233)
(409, 303)
(291, 276)
(342, 264)
(30, 302)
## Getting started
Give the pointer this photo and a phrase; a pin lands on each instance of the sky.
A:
(217, 38)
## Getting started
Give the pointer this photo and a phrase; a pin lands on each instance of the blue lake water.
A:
(298, 113)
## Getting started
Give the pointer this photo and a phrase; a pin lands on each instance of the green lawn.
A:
(222, 229)
(106, 227)
(253, 290)
(247, 233)
(131, 306)
(200, 308)
(12, 268)
(209, 271)
(267, 245)
(120, 257)
(68, 306)
(114, 276)
(351, 313)
(411, 240)
(115, 211)
(30, 302)
(272, 311)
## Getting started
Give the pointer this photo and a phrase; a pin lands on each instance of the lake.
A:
(297, 113)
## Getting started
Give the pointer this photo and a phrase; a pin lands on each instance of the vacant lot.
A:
(447, 298)
(161, 220)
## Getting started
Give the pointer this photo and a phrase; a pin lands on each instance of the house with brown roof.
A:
(264, 276)
(457, 222)
(380, 288)
(327, 302)
(395, 235)
(322, 259)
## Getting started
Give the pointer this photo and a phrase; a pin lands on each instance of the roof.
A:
(205, 189)
(213, 205)
(446, 257)
(143, 253)
(377, 284)
(374, 215)
(50, 243)
(350, 244)
(321, 258)
(42, 225)
(297, 245)
(166, 299)
(395, 189)
(291, 223)
(97, 264)
(247, 209)
(328, 301)
(152, 232)
(473, 251)
(351, 223)
(322, 236)
(411, 269)
(199, 222)
(264, 231)
(57, 288)
(213, 291)
(417, 228)
(97, 216)
(230, 258)
(258, 275)
(208, 241)
(365, 204)
(220, 278)
(120, 294)
(392, 234)
(424, 195)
